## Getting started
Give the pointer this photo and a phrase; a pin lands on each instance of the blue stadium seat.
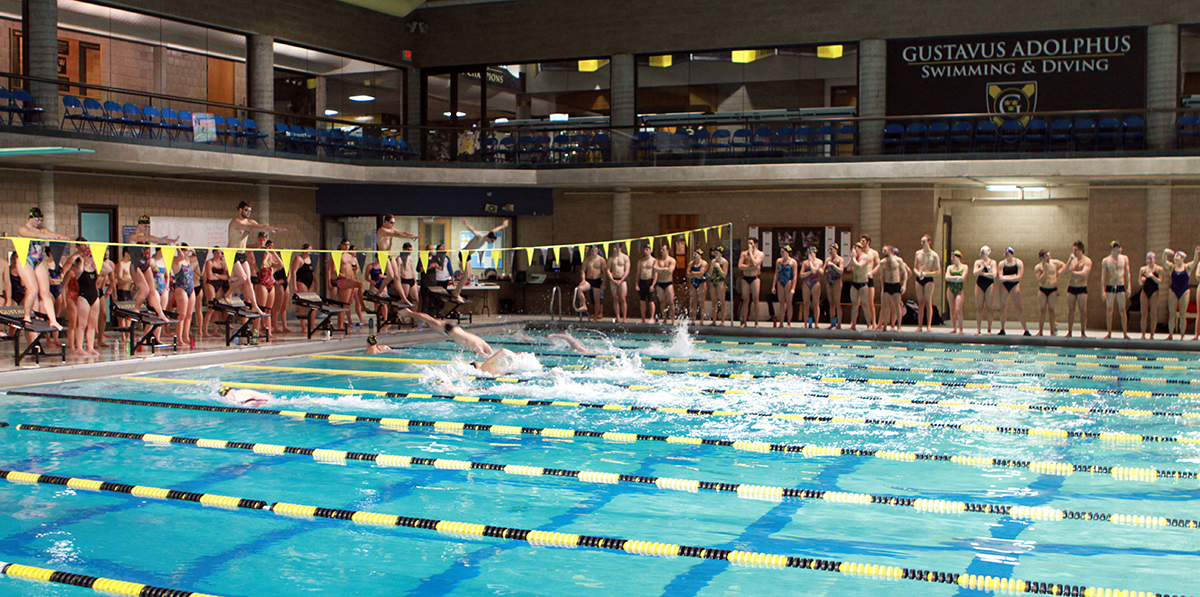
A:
(741, 140)
(721, 140)
(939, 137)
(1133, 133)
(893, 138)
(78, 118)
(1108, 134)
(915, 138)
(961, 136)
(847, 137)
(1187, 131)
(1060, 135)
(24, 107)
(699, 142)
(251, 133)
(153, 120)
(1037, 135)
(1010, 135)
(987, 136)
(802, 141)
(823, 140)
(96, 116)
(1084, 134)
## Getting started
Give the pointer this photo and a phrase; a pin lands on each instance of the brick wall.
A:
(1116, 214)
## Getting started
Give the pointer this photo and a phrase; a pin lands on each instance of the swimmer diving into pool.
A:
(461, 337)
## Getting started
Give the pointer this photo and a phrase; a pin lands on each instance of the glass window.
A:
(578, 88)
(733, 81)
(315, 83)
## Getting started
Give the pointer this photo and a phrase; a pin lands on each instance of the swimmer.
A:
(571, 343)
(477, 240)
(503, 362)
(1114, 277)
(251, 398)
(374, 347)
(1080, 266)
(461, 337)
(928, 266)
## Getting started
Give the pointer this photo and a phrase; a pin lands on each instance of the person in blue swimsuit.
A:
(834, 264)
(184, 281)
(1177, 299)
(785, 286)
(810, 273)
(34, 271)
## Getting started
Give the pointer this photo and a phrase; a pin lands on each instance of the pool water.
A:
(242, 552)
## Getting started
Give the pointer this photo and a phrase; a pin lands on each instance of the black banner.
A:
(1007, 73)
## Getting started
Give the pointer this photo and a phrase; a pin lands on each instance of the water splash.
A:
(680, 346)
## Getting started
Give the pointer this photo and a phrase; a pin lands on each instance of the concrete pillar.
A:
(260, 78)
(524, 102)
(322, 95)
(872, 94)
(262, 206)
(1162, 84)
(412, 105)
(46, 197)
(622, 222)
(870, 214)
(41, 56)
(623, 99)
(1158, 219)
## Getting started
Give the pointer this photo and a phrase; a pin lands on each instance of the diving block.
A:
(442, 294)
(394, 306)
(129, 310)
(236, 307)
(326, 307)
(15, 316)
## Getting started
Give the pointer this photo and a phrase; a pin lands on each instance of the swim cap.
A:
(859, 245)
(1010, 250)
(834, 246)
(986, 250)
(224, 390)
(35, 212)
(143, 220)
(956, 253)
(787, 248)
(371, 340)
(721, 250)
(1114, 244)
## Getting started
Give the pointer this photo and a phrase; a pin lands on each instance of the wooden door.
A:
(670, 223)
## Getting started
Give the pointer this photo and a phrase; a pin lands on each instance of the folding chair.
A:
(328, 308)
(236, 307)
(40, 326)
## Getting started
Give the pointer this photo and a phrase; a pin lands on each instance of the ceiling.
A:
(401, 8)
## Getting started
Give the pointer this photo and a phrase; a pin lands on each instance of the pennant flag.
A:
(98, 251)
(22, 247)
(582, 252)
(230, 256)
(496, 254)
(564, 253)
(463, 258)
(628, 243)
(423, 258)
(529, 255)
(337, 261)
(706, 236)
(286, 256)
(382, 256)
(168, 254)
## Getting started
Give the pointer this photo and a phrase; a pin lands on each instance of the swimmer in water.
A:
(374, 347)
(461, 337)
(571, 343)
(502, 362)
(251, 398)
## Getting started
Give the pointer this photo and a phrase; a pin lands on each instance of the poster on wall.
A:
(204, 128)
(799, 238)
(1013, 73)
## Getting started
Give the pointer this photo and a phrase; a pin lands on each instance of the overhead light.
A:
(362, 98)
(560, 117)
(1035, 189)
(748, 56)
(829, 51)
(1003, 188)
(661, 61)
(457, 114)
(589, 66)
(332, 112)
(501, 120)
(362, 118)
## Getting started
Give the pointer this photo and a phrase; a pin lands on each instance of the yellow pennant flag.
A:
(168, 254)
(286, 256)
(562, 250)
(22, 247)
(423, 258)
(529, 255)
(230, 256)
(706, 236)
(496, 256)
(336, 256)
(463, 258)
(382, 256)
(582, 252)
(98, 250)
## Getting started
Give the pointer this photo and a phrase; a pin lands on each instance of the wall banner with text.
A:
(1012, 73)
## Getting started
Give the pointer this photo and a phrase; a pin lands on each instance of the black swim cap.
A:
(35, 212)
(371, 340)
(143, 220)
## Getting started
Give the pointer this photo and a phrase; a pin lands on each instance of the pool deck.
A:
(214, 352)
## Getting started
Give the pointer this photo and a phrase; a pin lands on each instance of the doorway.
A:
(98, 224)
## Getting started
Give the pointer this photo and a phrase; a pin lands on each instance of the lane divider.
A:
(896, 356)
(1130, 412)
(945, 350)
(854, 380)
(96, 583)
(538, 538)
(743, 490)
(1118, 473)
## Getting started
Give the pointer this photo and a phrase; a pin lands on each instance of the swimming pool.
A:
(838, 455)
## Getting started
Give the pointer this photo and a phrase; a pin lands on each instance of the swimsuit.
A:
(1008, 271)
(1115, 289)
(696, 282)
(184, 280)
(924, 280)
(891, 288)
(160, 279)
(1179, 283)
(716, 276)
(1048, 291)
(858, 285)
(750, 279)
(280, 277)
(784, 274)
(37, 251)
(55, 282)
(87, 286)
(956, 288)
(144, 264)
(376, 275)
(1150, 287)
(266, 277)
(832, 273)
(663, 285)
(812, 279)
(1077, 290)
(304, 274)
(124, 295)
(595, 282)
(644, 288)
(984, 283)
(18, 289)
(408, 281)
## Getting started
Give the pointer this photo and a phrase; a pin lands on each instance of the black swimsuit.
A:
(304, 274)
(1010, 284)
(1150, 287)
(87, 286)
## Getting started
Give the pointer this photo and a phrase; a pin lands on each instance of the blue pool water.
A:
(187, 546)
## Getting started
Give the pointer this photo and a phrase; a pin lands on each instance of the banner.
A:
(1010, 73)
(204, 128)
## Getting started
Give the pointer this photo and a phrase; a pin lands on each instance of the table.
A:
(491, 298)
